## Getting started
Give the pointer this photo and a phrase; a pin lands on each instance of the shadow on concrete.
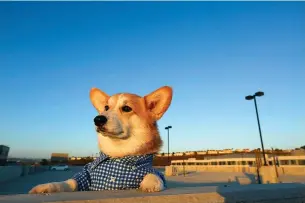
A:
(252, 177)
(177, 184)
(281, 192)
(192, 179)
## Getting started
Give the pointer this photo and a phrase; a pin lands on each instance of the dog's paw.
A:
(47, 188)
(152, 183)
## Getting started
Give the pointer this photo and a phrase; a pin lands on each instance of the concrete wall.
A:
(210, 168)
(269, 193)
(8, 173)
(291, 170)
(282, 170)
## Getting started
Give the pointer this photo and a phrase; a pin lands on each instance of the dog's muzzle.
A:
(100, 121)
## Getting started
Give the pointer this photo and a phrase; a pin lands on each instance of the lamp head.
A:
(259, 94)
(249, 97)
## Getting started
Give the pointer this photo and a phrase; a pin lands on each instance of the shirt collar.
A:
(139, 160)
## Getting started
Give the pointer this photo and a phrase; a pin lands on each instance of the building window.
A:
(206, 163)
(293, 162)
(284, 162)
(243, 163)
(301, 162)
(250, 163)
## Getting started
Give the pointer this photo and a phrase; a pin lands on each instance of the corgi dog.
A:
(128, 137)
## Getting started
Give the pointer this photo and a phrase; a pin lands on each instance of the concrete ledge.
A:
(269, 193)
(8, 173)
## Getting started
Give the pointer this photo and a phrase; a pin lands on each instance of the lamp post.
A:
(250, 97)
(167, 128)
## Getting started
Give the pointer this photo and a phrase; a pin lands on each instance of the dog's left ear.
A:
(158, 101)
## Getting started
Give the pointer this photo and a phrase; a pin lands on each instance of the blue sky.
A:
(211, 53)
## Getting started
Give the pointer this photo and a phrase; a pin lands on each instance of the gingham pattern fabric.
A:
(107, 173)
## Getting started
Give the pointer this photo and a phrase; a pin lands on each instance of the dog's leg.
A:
(152, 183)
(65, 186)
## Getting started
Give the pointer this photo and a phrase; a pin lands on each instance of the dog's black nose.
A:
(100, 120)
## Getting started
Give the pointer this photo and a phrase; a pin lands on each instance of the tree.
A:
(44, 162)
(183, 155)
(302, 147)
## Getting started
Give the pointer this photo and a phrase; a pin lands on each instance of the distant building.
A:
(238, 150)
(225, 151)
(178, 153)
(298, 152)
(189, 153)
(76, 158)
(246, 150)
(59, 158)
(3, 154)
(212, 152)
(201, 152)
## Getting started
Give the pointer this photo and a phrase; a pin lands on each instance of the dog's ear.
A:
(99, 99)
(158, 101)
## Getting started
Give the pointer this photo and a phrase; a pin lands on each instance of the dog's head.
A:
(126, 124)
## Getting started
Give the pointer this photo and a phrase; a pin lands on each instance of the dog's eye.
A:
(126, 108)
(106, 108)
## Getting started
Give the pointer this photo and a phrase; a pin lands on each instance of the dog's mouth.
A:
(100, 129)
(104, 132)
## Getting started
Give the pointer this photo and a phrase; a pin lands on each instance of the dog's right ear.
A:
(99, 99)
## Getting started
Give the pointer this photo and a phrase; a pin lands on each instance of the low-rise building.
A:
(225, 151)
(212, 152)
(4, 150)
(59, 158)
(189, 153)
(178, 153)
(238, 150)
(201, 152)
(246, 150)
(75, 158)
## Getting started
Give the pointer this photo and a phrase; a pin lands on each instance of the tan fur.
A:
(152, 183)
(126, 133)
(65, 186)
(139, 125)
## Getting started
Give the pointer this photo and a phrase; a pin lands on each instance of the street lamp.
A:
(167, 128)
(250, 97)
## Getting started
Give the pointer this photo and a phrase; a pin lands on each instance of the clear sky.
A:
(213, 54)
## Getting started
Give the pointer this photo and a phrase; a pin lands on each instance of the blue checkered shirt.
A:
(106, 173)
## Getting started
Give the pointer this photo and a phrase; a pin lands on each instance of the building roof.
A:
(64, 155)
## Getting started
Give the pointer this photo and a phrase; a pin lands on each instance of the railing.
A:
(280, 160)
